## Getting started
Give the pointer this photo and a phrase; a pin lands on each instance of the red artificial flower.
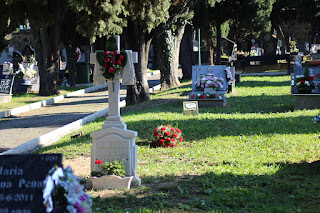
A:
(163, 129)
(112, 61)
(112, 69)
(178, 130)
(168, 139)
(175, 145)
(172, 129)
(107, 59)
(180, 139)
(161, 141)
(156, 129)
(171, 144)
(167, 133)
(107, 52)
(311, 78)
(115, 52)
(155, 133)
(105, 66)
(121, 57)
(303, 81)
(166, 146)
(173, 140)
(118, 62)
(192, 96)
(175, 135)
(159, 136)
(98, 162)
(214, 95)
(203, 96)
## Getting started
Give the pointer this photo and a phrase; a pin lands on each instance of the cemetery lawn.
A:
(21, 99)
(256, 155)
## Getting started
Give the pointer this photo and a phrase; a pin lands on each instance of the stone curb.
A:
(55, 135)
(50, 101)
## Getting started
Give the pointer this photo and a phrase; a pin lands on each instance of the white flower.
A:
(307, 83)
(299, 83)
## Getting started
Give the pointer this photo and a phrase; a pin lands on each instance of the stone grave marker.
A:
(197, 71)
(220, 100)
(114, 141)
(190, 107)
(22, 181)
(6, 82)
(313, 71)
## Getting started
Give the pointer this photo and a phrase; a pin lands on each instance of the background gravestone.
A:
(22, 181)
(6, 82)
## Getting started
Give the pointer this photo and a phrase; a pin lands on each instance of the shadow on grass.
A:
(263, 83)
(293, 188)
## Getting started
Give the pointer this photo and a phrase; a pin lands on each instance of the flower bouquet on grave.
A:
(209, 80)
(166, 136)
(304, 82)
(63, 192)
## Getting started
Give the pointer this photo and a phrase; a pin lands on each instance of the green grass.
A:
(21, 99)
(253, 156)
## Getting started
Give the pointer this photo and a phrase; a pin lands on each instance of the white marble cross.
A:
(114, 141)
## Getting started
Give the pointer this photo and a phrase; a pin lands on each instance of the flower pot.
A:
(209, 90)
(111, 182)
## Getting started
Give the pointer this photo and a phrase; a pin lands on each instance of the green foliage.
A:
(100, 17)
(111, 168)
(111, 43)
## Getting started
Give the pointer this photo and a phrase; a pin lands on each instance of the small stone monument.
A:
(114, 140)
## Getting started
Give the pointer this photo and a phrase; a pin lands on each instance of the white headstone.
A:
(219, 70)
(98, 78)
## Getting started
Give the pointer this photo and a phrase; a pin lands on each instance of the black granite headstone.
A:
(6, 82)
(22, 181)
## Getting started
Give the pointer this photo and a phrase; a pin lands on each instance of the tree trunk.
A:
(218, 49)
(186, 53)
(50, 50)
(168, 56)
(155, 61)
(140, 90)
(211, 51)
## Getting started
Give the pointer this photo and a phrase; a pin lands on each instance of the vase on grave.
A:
(111, 182)
(209, 90)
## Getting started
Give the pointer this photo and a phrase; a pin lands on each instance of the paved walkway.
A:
(27, 126)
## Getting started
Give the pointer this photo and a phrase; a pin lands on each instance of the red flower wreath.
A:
(112, 62)
(166, 136)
